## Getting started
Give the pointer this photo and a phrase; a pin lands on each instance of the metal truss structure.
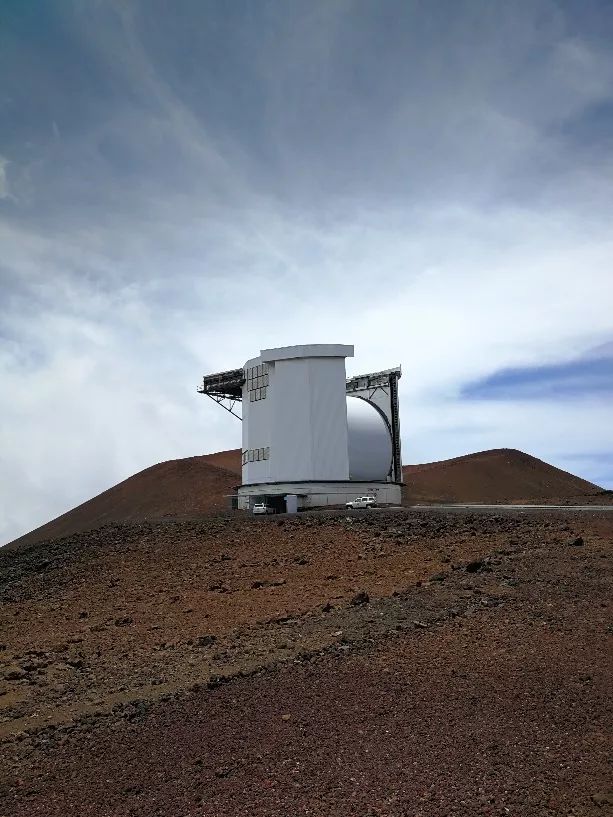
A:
(381, 389)
(225, 388)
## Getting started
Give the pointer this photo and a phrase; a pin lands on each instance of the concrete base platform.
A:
(315, 494)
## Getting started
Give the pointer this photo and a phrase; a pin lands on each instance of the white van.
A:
(262, 507)
(362, 502)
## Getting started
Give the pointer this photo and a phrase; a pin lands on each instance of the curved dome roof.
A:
(370, 444)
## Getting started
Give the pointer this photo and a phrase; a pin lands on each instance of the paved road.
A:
(454, 507)
(479, 507)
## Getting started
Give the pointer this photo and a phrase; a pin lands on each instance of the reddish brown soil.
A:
(200, 486)
(131, 601)
(176, 488)
(474, 680)
(498, 476)
(230, 460)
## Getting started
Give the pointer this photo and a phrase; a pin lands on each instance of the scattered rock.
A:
(478, 566)
(360, 598)
(42, 565)
(286, 718)
(124, 621)
(134, 790)
(205, 640)
(15, 674)
(576, 542)
(267, 583)
(603, 798)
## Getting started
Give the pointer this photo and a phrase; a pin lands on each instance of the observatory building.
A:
(311, 437)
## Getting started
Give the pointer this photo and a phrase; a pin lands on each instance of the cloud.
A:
(4, 182)
(191, 188)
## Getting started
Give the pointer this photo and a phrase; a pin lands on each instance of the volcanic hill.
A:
(176, 488)
(502, 475)
(200, 485)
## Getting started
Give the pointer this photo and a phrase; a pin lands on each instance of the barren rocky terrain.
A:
(202, 485)
(502, 475)
(392, 663)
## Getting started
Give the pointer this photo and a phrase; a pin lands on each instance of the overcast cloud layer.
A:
(184, 184)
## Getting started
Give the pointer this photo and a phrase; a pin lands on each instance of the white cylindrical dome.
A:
(370, 444)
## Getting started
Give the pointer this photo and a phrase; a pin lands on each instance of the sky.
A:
(184, 184)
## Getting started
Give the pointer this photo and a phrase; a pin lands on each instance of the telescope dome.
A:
(369, 441)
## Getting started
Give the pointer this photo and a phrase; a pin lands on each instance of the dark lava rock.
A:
(265, 583)
(205, 640)
(603, 798)
(41, 566)
(124, 621)
(576, 542)
(360, 598)
(15, 675)
(478, 566)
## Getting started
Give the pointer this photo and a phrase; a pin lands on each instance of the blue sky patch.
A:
(578, 378)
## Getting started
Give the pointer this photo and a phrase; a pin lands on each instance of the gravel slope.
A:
(474, 679)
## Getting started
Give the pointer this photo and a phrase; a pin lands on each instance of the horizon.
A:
(418, 465)
(182, 188)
